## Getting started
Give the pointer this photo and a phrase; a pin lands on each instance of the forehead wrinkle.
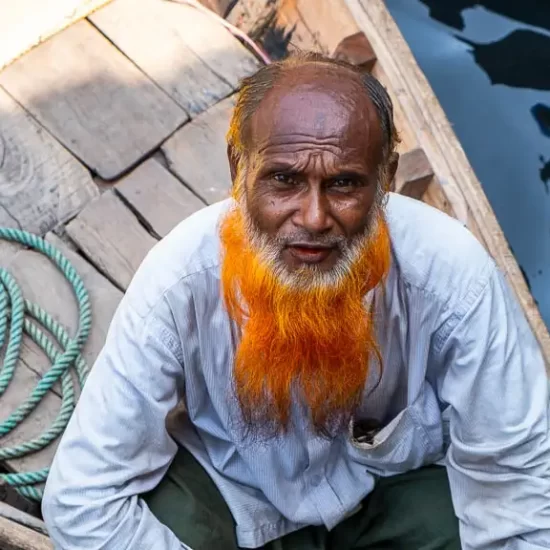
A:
(299, 147)
(332, 164)
(286, 121)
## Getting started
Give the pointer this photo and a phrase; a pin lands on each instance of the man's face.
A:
(312, 175)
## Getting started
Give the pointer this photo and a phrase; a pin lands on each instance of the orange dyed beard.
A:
(310, 342)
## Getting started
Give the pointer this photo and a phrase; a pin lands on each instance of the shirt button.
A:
(316, 480)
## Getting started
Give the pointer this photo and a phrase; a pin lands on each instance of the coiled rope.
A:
(18, 315)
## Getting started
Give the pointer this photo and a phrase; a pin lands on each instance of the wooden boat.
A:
(125, 195)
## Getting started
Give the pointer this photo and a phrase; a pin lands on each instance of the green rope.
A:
(63, 352)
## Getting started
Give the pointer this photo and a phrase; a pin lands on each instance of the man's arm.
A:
(494, 380)
(116, 445)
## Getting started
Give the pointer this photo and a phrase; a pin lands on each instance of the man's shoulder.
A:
(192, 248)
(434, 251)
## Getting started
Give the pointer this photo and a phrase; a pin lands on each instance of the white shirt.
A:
(463, 384)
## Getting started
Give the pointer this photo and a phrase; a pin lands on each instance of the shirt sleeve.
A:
(116, 445)
(494, 382)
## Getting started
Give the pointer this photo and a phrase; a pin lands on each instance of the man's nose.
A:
(314, 212)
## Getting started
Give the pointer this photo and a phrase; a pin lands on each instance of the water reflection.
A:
(488, 62)
(531, 12)
(521, 59)
(541, 113)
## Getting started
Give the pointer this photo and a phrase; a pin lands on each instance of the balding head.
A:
(309, 70)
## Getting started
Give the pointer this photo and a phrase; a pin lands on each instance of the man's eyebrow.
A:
(279, 166)
(350, 174)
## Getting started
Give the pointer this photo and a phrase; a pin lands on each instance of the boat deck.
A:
(112, 130)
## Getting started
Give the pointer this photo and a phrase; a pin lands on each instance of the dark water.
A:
(489, 64)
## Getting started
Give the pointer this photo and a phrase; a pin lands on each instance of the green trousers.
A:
(411, 511)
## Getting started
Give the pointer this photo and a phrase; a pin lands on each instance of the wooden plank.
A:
(11, 499)
(197, 153)
(41, 183)
(414, 174)
(159, 198)
(111, 237)
(357, 50)
(14, 536)
(436, 197)
(23, 518)
(435, 135)
(220, 7)
(252, 16)
(328, 22)
(104, 298)
(23, 382)
(195, 59)
(181, 72)
(290, 23)
(42, 283)
(26, 23)
(93, 99)
(215, 45)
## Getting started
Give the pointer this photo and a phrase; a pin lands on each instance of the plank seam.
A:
(139, 68)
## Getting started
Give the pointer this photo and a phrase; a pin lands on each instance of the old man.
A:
(354, 369)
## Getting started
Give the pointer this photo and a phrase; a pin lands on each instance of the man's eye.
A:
(344, 182)
(285, 179)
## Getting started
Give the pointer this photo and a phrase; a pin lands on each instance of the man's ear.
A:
(233, 162)
(393, 162)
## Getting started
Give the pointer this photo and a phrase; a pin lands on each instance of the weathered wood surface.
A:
(16, 537)
(41, 183)
(220, 7)
(195, 60)
(111, 237)
(414, 174)
(104, 298)
(216, 46)
(42, 283)
(180, 68)
(289, 20)
(26, 23)
(252, 16)
(197, 153)
(357, 50)
(436, 137)
(93, 99)
(11, 499)
(21, 517)
(159, 198)
(23, 382)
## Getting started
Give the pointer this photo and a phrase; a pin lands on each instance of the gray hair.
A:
(254, 88)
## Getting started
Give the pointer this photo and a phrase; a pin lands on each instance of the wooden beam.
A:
(219, 7)
(357, 50)
(436, 136)
(111, 237)
(26, 23)
(198, 153)
(23, 382)
(14, 536)
(93, 99)
(252, 16)
(159, 198)
(195, 71)
(414, 174)
(41, 183)
(22, 517)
